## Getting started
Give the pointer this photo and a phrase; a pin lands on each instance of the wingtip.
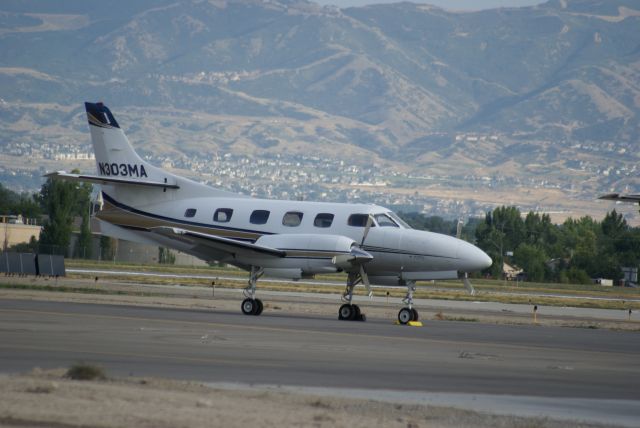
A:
(610, 196)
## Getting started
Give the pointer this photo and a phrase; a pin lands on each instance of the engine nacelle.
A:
(333, 244)
(307, 254)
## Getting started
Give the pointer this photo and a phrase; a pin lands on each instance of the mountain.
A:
(517, 92)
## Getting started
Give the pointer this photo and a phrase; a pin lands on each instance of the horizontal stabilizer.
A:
(96, 179)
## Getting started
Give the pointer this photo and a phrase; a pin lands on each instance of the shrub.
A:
(82, 371)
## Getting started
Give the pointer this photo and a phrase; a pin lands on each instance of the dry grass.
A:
(574, 295)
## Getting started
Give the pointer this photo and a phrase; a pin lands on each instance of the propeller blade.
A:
(468, 285)
(366, 229)
(365, 281)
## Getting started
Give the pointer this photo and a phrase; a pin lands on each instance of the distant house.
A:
(16, 230)
(512, 273)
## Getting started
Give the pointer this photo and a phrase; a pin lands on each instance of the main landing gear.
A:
(409, 313)
(251, 305)
(350, 311)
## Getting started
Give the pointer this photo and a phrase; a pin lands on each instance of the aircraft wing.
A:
(621, 198)
(218, 247)
(97, 179)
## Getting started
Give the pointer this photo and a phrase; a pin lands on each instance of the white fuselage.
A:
(398, 251)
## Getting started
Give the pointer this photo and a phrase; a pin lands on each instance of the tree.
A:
(107, 247)
(503, 230)
(61, 201)
(24, 204)
(83, 247)
(532, 259)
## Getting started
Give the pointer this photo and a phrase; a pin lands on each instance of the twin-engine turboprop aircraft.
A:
(287, 239)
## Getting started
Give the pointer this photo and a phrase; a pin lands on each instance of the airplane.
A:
(280, 238)
(621, 198)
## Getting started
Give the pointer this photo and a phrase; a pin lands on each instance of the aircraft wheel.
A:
(346, 312)
(249, 306)
(259, 308)
(415, 314)
(356, 313)
(405, 315)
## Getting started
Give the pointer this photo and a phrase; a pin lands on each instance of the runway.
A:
(298, 350)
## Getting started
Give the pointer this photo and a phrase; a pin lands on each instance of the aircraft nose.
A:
(472, 258)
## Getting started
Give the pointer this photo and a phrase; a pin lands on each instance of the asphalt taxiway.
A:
(321, 352)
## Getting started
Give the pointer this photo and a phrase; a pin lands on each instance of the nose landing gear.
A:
(350, 311)
(251, 305)
(409, 313)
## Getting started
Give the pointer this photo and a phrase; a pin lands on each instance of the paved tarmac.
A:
(290, 349)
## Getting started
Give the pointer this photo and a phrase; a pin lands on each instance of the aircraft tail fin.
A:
(115, 157)
(122, 169)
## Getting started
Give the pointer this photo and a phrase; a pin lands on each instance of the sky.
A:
(445, 4)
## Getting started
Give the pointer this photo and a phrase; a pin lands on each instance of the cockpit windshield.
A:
(398, 220)
(384, 220)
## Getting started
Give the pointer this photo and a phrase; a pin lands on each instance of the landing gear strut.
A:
(251, 305)
(408, 313)
(350, 311)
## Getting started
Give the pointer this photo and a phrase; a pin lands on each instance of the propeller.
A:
(468, 285)
(465, 277)
(363, 273)
(357, 257)
(367, 227)
(459, 228)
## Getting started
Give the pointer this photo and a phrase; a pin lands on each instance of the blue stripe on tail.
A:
(99, 115)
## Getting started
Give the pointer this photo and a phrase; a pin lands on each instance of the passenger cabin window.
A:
(384, 220)
(323, 220)
(259, 217)
(190, 212)
(359, 220)
(223, 215)
(292, 219)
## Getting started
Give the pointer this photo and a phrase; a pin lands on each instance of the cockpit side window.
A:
(359, 220)
(384, 220)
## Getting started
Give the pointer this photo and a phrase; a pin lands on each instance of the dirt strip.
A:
(46, 398)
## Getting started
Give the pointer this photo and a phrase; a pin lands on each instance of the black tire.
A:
(356, 312)
(362, 317)
(346, 312)
(248, 306)
(405, 316)
(259, 308)
(416, 316)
